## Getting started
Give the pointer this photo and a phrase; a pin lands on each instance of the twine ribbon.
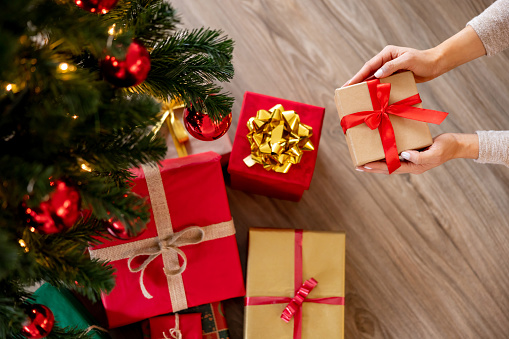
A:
(174, 332)
(277, 139)
(295, 308)
(166, 244)
(379, 118)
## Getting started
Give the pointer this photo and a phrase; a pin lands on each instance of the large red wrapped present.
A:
(188, 254)
(185, 326)
(265, 178)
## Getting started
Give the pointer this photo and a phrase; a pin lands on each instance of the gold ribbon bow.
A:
(166, 243)
(277, 139)
(177, 130)
(174, 332)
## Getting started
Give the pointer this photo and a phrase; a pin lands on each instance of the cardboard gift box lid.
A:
(365, 144)
(299, 174)
(271, 273)
(195, 196)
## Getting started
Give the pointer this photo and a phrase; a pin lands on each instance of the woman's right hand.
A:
(424, 64)
(427, 64)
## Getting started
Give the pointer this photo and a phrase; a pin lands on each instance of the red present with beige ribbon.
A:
(188, 254)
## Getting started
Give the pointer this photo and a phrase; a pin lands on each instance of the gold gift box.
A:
(270, 273)
(365, 144)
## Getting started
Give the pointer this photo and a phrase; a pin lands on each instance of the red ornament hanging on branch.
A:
(117, 229)
(39, 322)
(131, 70)
(96, 6)
(202, 127)
(58, 212)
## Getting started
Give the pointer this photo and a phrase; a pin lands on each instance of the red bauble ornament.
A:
(39, 322)
(58, 212)
(200, 126)
(119, 231)
(130, 71)
(96, 6)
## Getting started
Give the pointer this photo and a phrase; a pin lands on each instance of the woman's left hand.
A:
(445, 147)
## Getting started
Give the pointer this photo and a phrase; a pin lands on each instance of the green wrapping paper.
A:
(68, 311)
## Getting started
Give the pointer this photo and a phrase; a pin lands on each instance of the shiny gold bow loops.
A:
(277, 139)
(177, 130)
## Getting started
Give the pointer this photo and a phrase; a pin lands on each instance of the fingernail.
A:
(346, 83)
(379, 73)
(359, 169)
(405, 155)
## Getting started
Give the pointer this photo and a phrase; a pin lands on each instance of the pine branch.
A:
(150, 21)
(61, 261)
(186, 65)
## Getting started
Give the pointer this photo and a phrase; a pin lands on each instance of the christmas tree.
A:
(76, 114)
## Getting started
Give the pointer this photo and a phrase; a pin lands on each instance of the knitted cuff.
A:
(493, 147)
(492, 27)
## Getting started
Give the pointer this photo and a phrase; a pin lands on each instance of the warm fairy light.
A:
(84, 165)
(23, 244)
(111, 31)
(32, 229)
(86, 168)
(63, 66)
(8, 87)
(78, 2)
(75, 117)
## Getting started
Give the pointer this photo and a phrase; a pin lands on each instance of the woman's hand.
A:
(445, 147)
(427, 64)
(424, 64)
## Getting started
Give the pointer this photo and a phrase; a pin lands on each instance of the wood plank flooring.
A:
(427, 256)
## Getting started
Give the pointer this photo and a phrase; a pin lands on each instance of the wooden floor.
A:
(427, 256)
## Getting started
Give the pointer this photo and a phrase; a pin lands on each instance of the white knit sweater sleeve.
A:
(492, 27)
(493, 147)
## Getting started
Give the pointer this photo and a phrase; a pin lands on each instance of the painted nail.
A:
(359, 169)
(366, 167)
(379, 73)
(405, 155)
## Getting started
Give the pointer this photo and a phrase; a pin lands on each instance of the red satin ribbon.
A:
(379, 118)
(297, 323)
(299, 298)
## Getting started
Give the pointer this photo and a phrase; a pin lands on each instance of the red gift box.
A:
(189, 205)
(189, 326)
(257, 180)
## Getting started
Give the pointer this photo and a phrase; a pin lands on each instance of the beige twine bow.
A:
(174, 332)
(189, 236)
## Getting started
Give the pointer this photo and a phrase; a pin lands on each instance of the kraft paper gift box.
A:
(190, 212)
(68, 311)
(411, 131)
(279, 262)
(256, 179)
(188, 326)
(221, 146)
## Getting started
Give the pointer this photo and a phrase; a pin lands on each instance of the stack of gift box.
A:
(174, 275)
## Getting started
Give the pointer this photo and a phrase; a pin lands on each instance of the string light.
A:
(23, 244)
(8, 87)
(63, 66)
(75, 117)
(111, 31)
(84, 165)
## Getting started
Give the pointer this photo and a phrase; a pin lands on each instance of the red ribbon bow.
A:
(379, 118)
(299, 298)
(297, 311)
